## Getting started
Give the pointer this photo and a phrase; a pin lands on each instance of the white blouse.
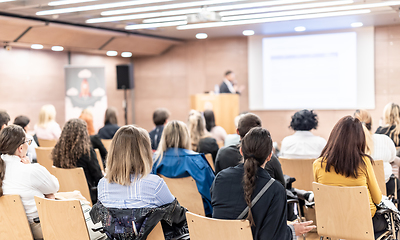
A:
(302, 144)
(27, 180)
(384, 149)
(52, 131)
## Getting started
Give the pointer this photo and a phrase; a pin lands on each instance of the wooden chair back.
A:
(185, 190)
(106, 143)
(301, 169)
(13, 221)
(380, 175)
(43, 155)
(210, 160)
(47, 143)
(343, 212)
(201, 228)
(99, 159)
(220, 144)
(61, 219)
(72, 179)
(157, 233)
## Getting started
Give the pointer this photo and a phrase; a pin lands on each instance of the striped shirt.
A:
(148, 192)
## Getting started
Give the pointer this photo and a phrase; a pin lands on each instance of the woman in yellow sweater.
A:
(343, 162)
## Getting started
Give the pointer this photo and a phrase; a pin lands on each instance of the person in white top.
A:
(380, 147)
(303, 144)
(18, 176)
(47, 128)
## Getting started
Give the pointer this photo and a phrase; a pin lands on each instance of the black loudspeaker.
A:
(125, 76)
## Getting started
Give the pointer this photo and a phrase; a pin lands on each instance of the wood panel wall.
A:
(195, 67)
(31, 78)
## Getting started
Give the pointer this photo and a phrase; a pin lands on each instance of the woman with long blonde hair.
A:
(174, 159)
(201, 139)
(129, 192)
(47, 128)
(73, 149)
(391, 123)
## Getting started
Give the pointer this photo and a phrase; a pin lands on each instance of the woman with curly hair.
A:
(303, 144)
(73, 149)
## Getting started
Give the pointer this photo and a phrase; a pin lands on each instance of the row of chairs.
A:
(52, 143)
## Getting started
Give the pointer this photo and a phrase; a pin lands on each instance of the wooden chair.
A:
(47, 143)
(157, 233)
(100, 160)
(43, 155)
(185, 190)
(106, 143)
(380, 175)
(210, 160)
(202, 228)
(61, 219)
(13, 221)
(220, 144)
(343, 212)
(301, 169)
(72, 179)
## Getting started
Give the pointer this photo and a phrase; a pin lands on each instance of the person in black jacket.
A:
(110, 124)
(230, 156)
(73, 149)
(235, 188)
(160, 117)
(229, 84)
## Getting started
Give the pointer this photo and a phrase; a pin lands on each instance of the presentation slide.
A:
(327, 71)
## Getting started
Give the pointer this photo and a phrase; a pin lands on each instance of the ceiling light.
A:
(275, 19)
(300, 29)
(167, 6)
(287, 7)
(65, 2)
(164, 19)
(57, 48)
(185, 11)
(155, 25)
(201, 35)
(143, 15)
(248, 32)
(126, 54)
(112, 53)
(1, 1)
(357, 24)
(37, 46)
(98, 6)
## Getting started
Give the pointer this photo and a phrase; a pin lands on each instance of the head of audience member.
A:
(47, 114)
(304, 120)
(174, 135)
(87, 116)
(12, 142)
(73, 143)
(111, 116)
(366, 121)
(4, 119)
(130, 154)
(160, 116)
(391, 114)
(344, 150)
(197, 128)
(210, 119)
(246, 122)
(256, 149)
(230, 76)
(22, 121)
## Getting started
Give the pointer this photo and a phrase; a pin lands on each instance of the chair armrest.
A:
(292, 201)
(383, 211)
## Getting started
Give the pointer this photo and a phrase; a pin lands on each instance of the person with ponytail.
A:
(235, 188)
(18, 176)
(391, 123)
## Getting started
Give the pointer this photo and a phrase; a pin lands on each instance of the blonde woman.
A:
(174, 159)
(130, 192)
(391, 123)
(201, 139)
(47, 128)
(380, 147)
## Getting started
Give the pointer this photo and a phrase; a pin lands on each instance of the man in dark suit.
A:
(229, 84)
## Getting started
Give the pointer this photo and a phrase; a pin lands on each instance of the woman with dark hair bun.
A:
(303, 144)
(234, 189)
(343, 162)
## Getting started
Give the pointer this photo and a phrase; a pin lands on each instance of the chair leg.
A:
(321, 238)
(395, 192)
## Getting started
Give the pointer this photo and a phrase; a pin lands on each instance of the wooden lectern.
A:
(225, 107)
